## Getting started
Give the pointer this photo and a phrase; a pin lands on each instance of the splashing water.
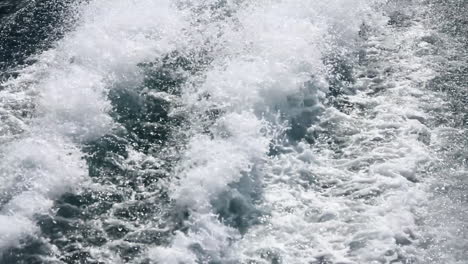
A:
(212, 131)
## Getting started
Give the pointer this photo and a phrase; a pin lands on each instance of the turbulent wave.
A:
(160, 131)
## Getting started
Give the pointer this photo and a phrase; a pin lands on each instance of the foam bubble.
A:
(65, 93)
(267, 57)
(35, 171)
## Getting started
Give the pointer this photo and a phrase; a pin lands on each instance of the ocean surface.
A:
(234, 132)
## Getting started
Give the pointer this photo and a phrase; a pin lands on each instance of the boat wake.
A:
(234, 132)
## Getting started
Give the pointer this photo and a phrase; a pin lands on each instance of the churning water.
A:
(232, 132)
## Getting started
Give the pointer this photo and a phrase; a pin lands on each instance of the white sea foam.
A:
(356, 195)
(66, 92)
(34, 171)
(269, 59)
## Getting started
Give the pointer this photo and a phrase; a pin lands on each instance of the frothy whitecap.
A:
(275, 131)
(66, 93)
